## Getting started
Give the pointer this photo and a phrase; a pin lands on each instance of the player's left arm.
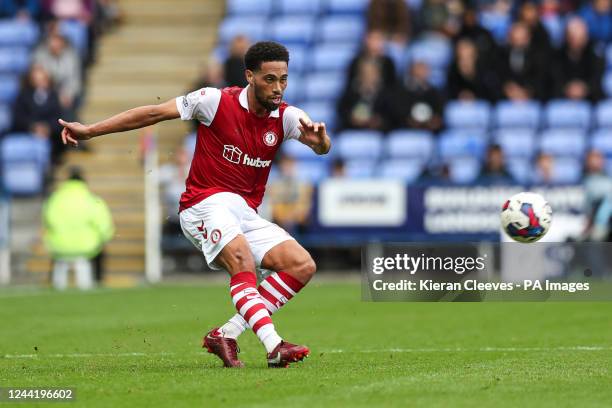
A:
(314, 135)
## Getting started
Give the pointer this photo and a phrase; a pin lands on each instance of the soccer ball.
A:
(526, 217)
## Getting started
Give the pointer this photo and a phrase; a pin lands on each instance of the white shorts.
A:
(215, 221)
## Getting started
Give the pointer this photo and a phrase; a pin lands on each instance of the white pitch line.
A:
(332, 351)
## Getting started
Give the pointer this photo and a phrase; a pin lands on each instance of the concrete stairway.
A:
(154, 56)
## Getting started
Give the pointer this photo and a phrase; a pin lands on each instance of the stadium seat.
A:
(24, 161)
(298, 55)
(434, 51)
(563, 142)
(407, 170)
(464, 170)
(497, 23)
(301, 7)
(321, 112)
(249, 7)
(5, 117)
(461, 143)
(555, 26)
(323, 86)
(520, 169)
(14, 60)
(467, 114)
(409, 144)
(293, 92)
(347, 6)
(360, 168)
(340, 29)
(516, 142)
(311, 170)
(606, 83)
(608, 56)
(252, 27)
(77, 34)
(517, 114)
(332, 57)
(566, 170)
(300, 151)
(602, 140)
(359, 144)
(293, 30)
(567, 113)
(9, 87)
(189, 143)
(17, 33)
(603, 113)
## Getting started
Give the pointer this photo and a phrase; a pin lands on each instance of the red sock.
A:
(277, 289)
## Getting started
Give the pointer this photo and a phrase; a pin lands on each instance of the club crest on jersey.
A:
(270, 138)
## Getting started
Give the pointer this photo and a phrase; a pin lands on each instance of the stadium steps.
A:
(154, 56)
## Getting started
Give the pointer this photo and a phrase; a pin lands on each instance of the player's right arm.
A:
(201, 105)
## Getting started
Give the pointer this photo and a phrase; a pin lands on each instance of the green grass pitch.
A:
(141, 348)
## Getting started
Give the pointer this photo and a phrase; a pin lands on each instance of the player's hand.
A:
(314, 134)
(73, 132)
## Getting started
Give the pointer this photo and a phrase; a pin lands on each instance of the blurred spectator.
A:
(540, 39)
(522, 69)
(417, 103)
(494, 170)
(544, 172)
(290, 198)
(77, 225)
(364, 104)
(472, 30)
(391, 17)
(20, 9)
(338, 169)
(70, 9)
(64, 66)
(233, 67)
(598, 198)
(37, 109)
(578, 70)
(597, 15)
(172, 178)
(373, 50)
(443, 16)
(467, 78)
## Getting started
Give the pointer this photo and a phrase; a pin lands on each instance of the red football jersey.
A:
(234, 148)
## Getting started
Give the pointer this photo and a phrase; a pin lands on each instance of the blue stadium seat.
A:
(298, 55)
(321, 112)
(409, 143)
(602, 140)
(567, 170)
(5, 117)
(407, 170)
(16, 33)
(24, 161)
(555, 25)
(331, 57)
(252, 27)
(608, 56)
(347, 6)
(300, 151)
(189, 143)
(563, 142)
(603, 113)
(467, 114)
(517, 114)
(249, 7)
(77, 34)
(359, 144)
(516, 142)
(293, 92)
(340, 29)
(606, 83)
(14, 59)
(323, 86)
(520, 169)
(461, 143)
(311, 170)
(293, 30)
(568, 113)
(435, 51)
(497, 23)
(301, 7)
(9, 87)
(464, 170)
(360, 168)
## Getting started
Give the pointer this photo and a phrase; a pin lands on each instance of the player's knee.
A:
(305, 268)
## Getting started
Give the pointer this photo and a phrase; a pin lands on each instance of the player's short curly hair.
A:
(265, 51)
